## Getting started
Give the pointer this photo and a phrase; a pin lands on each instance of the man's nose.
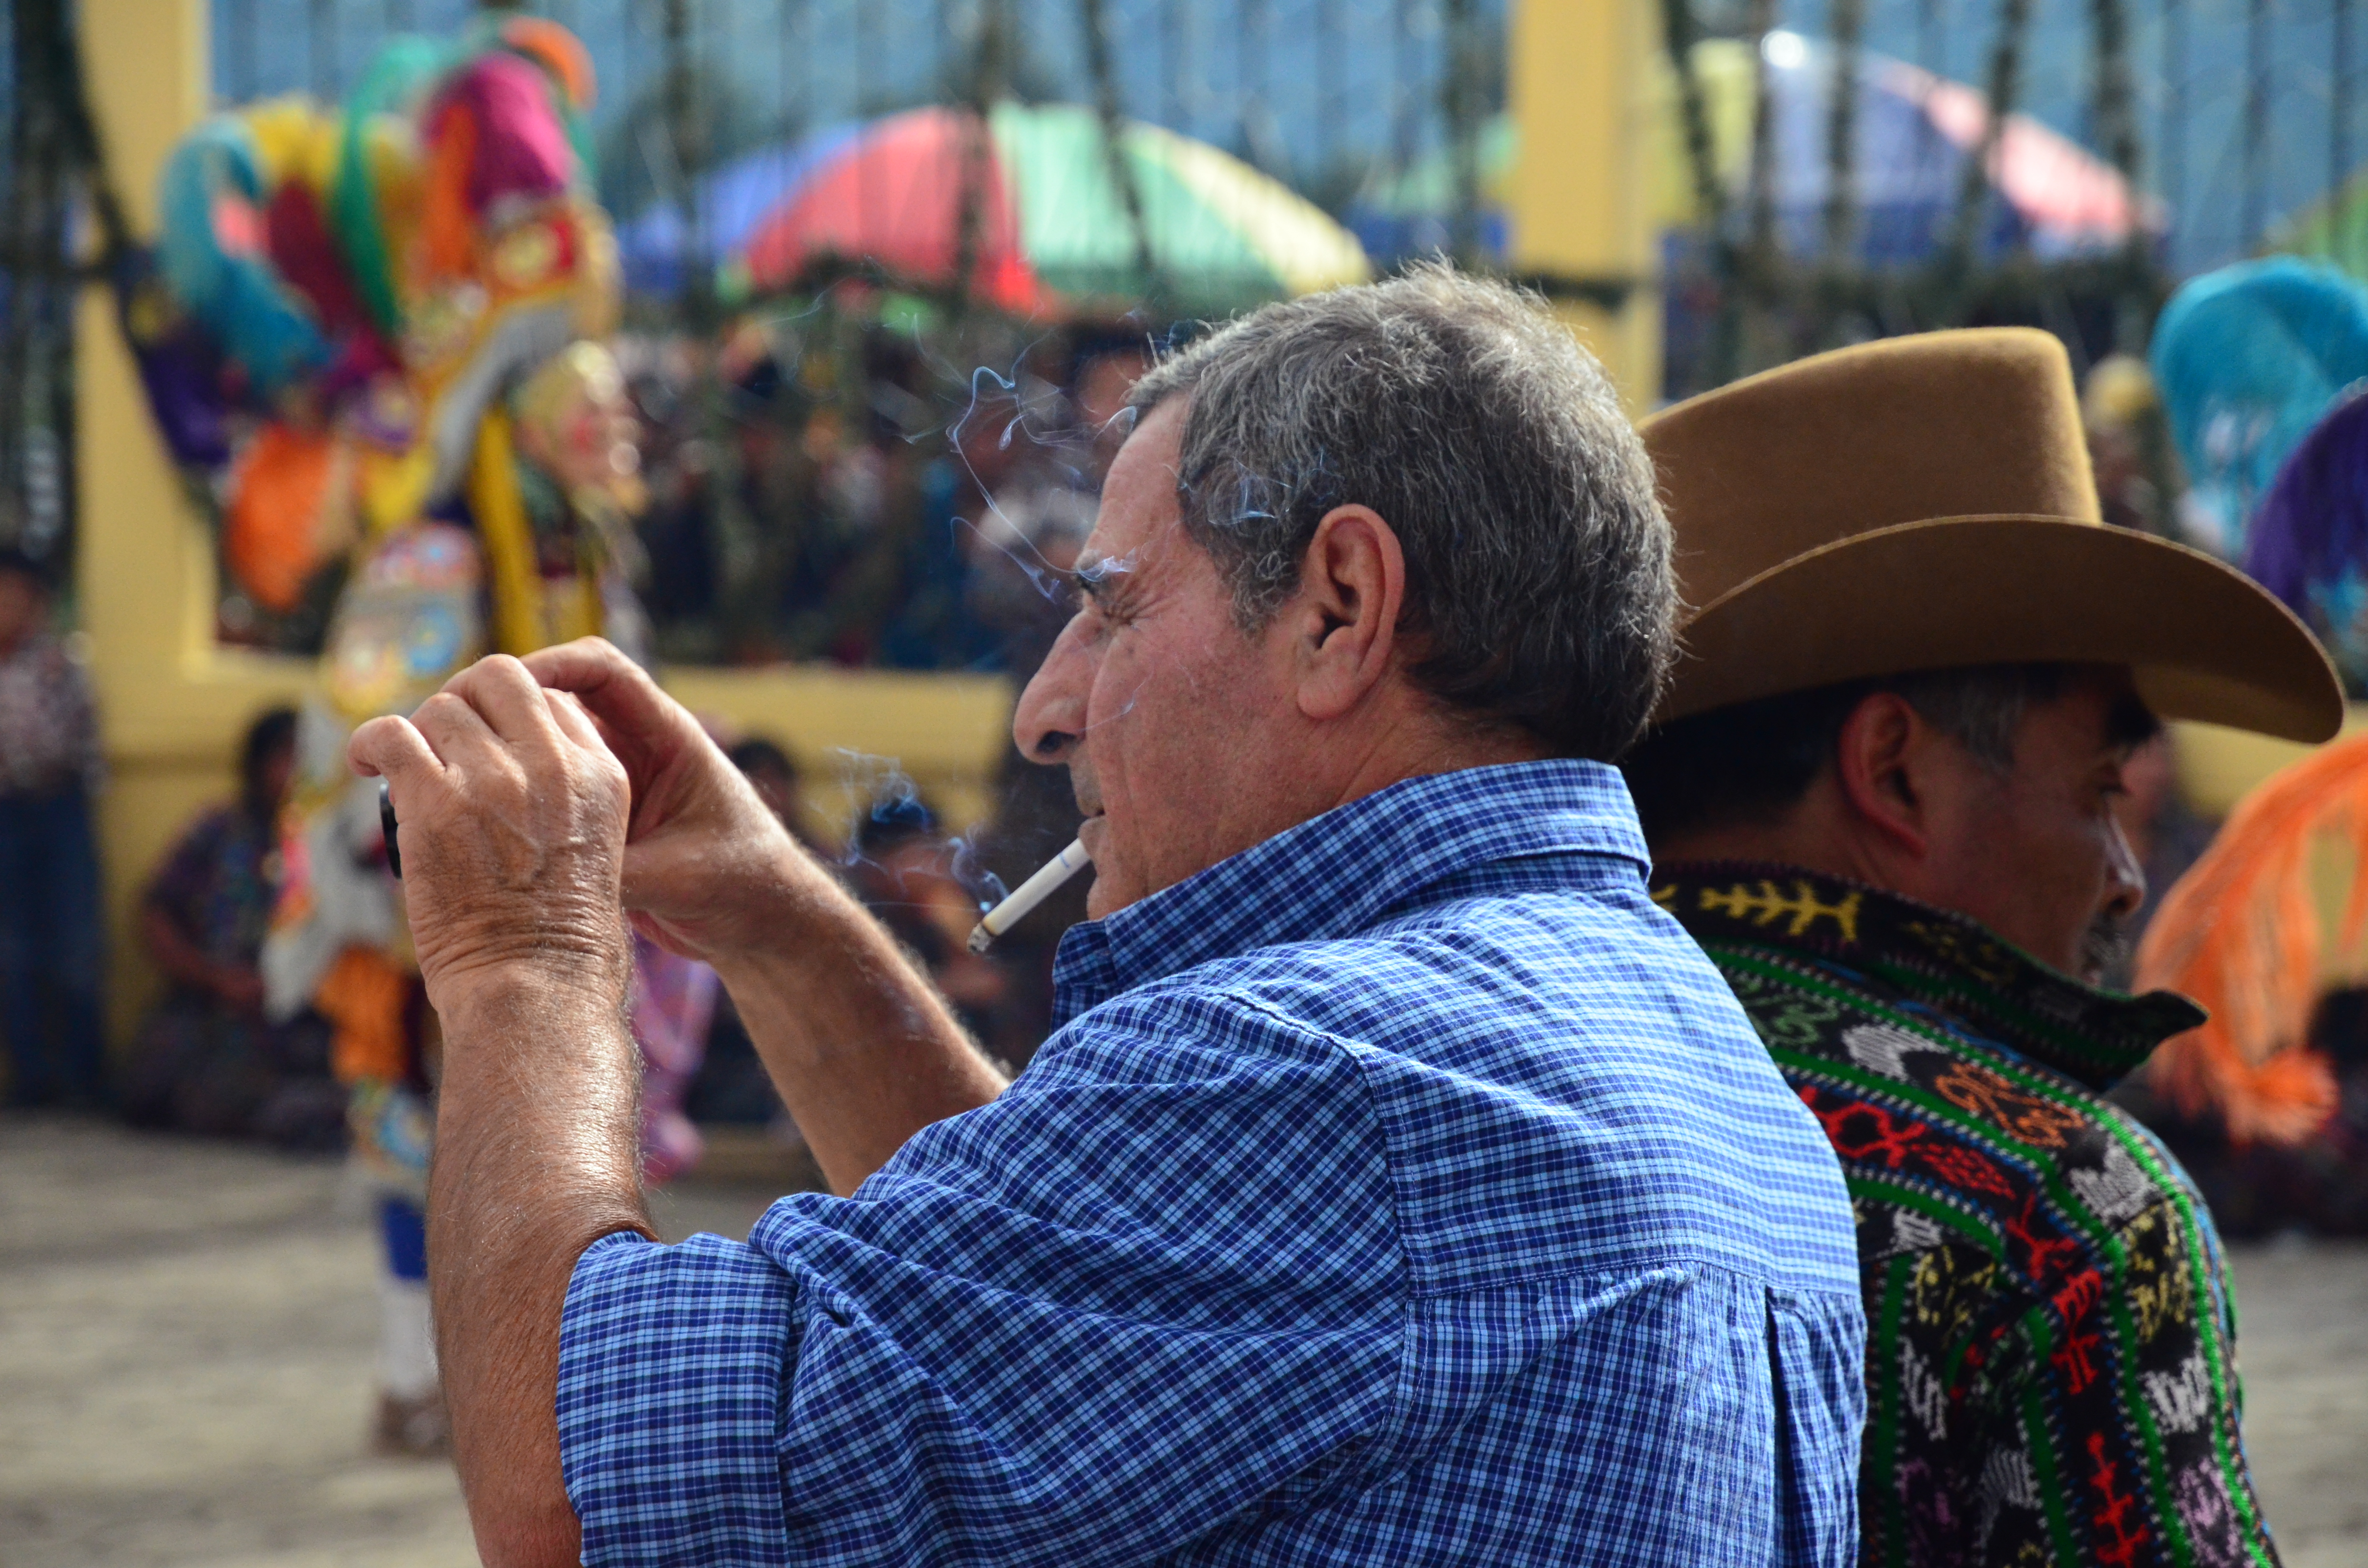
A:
(2125, 884)
(1051, 712)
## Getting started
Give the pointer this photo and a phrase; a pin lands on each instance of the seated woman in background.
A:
(206, 1060)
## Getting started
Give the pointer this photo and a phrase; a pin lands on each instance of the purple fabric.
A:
(521, 146)
(180, 368)
(2313, 524)
(673, 1003)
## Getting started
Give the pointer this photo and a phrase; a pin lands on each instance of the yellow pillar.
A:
(1581, 89)
(171, 702)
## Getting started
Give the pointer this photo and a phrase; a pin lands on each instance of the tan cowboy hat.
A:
(1923, 503)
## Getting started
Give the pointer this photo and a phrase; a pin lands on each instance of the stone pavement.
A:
(186, 1329)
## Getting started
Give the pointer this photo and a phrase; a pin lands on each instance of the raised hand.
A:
(513, 812)
(862, 1049)
(705, 863)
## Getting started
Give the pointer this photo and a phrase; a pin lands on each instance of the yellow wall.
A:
(1583, 72)
(173, 703)
(2218, 766)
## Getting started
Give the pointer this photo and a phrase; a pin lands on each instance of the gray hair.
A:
(1753, 762)
(1539, 590)
(1982, 706)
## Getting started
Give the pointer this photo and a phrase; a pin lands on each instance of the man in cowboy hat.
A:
(1880, 791)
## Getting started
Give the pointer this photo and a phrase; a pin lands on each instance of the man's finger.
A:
(392, 749)
(618, 691)
(506, 696)
(452, 726)
(567, 712)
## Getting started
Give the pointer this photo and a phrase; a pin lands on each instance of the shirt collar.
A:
(1940, 959)
(1338, 873)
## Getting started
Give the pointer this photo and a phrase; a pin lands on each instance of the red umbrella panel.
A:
(895, 194)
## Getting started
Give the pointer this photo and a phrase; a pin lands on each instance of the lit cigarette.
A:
(1047, 881)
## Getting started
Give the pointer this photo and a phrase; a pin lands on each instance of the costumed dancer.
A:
(2266, 1103)
(379, 330)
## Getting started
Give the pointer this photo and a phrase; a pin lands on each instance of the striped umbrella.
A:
(1050, 227)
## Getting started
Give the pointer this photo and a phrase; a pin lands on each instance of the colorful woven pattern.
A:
(2051, 1368)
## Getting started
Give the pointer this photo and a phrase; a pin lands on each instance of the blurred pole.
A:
(1093, 23)
(1848, 20)
(1461, 106)
(1680, 32)
(1974, 193)
(987, 81)
(2257, 119)
(2170, 139)
(681, 105)
(2115, 114)
(1755, 270)
(2339, 134)
(1927, 37)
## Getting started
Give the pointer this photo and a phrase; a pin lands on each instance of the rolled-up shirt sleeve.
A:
(671, 1363)
(1156, 1282)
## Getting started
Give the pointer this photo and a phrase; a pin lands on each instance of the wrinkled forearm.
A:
(863, 1050)
(536, 1158)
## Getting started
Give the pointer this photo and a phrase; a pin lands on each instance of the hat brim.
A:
(2203, 640)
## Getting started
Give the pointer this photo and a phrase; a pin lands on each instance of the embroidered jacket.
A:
(2051, 1346)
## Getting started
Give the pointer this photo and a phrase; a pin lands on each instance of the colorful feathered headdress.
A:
(2241, 933)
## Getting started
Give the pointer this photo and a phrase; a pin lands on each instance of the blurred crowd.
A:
(830, 490)
(883, 512)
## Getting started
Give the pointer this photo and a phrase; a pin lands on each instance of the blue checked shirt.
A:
(1406, 1190)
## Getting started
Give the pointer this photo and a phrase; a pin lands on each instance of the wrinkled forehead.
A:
(1140, 516)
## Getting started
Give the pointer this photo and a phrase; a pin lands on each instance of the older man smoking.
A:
(1400, 1184)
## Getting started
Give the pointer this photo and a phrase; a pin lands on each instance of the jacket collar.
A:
(1336, 874)
(1950, 964)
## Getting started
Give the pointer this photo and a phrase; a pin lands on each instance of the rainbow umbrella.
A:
(1049, 226)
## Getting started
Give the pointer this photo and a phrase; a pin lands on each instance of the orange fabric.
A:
(446, 230)
(362, 997)
(271, 536)
(557, 50)
(2240, 933)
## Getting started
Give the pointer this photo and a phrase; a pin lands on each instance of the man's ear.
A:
(1343, 621)
(1878, 758)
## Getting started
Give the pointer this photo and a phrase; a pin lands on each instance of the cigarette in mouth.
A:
(1047, 881)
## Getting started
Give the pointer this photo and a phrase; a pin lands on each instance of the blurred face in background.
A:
(266, 786)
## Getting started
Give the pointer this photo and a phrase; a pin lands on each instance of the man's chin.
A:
(2105, 952)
